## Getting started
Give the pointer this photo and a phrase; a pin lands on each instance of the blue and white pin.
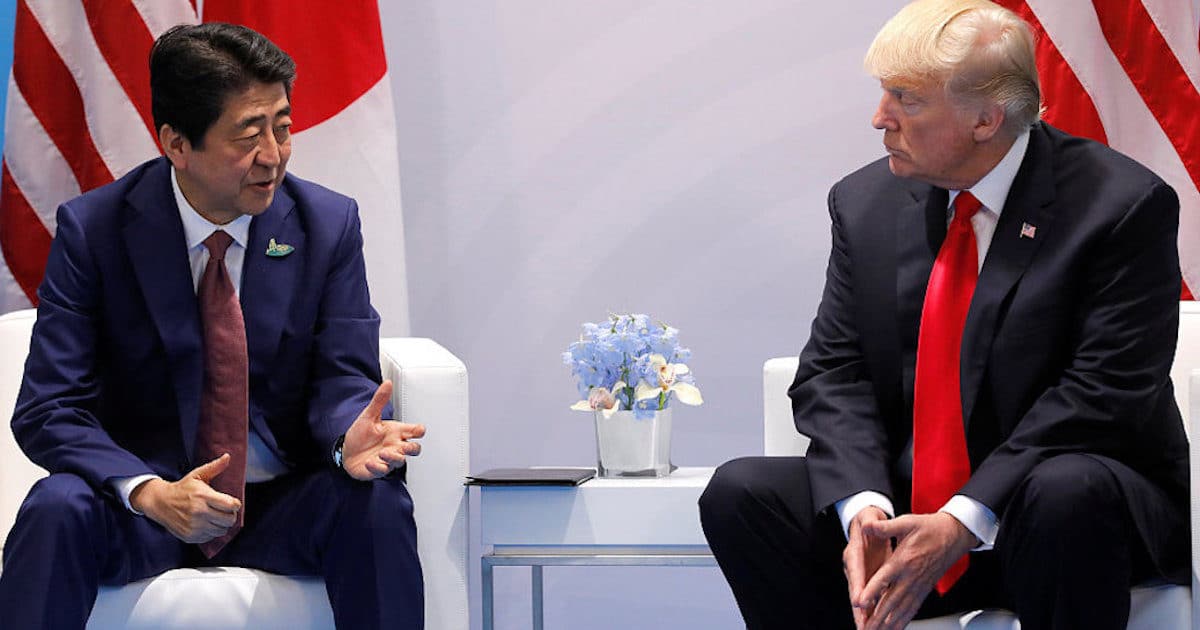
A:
(279, 250)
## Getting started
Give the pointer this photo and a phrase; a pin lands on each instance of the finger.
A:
(853, 566)
(382, 395)
(219, 520)
(391, 456)
(411, 449)
(888, 575)
(209, 471)
(415, 431)
(897, 608)
(221, 502)
(897, 527)
(860, 618)
(377, 468)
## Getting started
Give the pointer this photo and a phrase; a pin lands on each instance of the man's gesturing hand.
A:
(373, 448)
(862, 558)
(189, 508)
(926, 546)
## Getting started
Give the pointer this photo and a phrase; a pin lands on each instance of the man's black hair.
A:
(195, 68)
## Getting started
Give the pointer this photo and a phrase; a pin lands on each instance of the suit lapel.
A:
(158, 252)
(269, 284)
(921, 228)
(1007, 259)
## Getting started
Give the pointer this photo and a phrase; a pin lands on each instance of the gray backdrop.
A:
(561, 160)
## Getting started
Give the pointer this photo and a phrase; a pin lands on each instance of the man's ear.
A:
(989, 123)
(174, 145)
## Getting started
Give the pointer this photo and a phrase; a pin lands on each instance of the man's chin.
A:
(898, 167)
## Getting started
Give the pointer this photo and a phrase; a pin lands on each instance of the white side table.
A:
(626, 522)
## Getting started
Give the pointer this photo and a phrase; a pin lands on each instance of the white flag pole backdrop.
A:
(79, 116)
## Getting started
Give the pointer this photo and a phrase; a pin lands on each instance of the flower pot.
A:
(627, 446)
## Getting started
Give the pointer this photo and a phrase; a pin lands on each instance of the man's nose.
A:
(882, 119)
(268, 151)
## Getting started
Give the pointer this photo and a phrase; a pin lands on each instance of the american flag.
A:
(79, 117)
(1127, 73)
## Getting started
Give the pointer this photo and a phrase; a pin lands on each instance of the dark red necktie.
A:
(940, 463)
(224, 403)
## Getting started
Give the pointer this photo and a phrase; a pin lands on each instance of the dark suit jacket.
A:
(113, 379)
(1068, 342)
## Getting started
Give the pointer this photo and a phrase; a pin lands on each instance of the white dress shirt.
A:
(261, 463)
(991, 191)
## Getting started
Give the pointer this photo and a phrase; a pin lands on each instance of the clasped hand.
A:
(887, 584)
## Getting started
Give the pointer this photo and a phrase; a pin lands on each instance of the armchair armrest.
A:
(1193, 419)
(431, 388)
(780, 436)
(17, 473)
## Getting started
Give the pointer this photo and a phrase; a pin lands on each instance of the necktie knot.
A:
(217, 243)
(965, 206)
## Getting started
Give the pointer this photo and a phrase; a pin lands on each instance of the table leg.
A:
(538, 611)
(485, 564)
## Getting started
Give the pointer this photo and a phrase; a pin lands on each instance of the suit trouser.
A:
(360, 536)
(1066, 555)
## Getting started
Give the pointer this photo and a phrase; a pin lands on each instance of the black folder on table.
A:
(531, 477)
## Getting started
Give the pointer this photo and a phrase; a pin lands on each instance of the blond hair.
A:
(978, 50)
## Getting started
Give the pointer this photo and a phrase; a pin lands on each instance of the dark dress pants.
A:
(360, 536)
(1065, 558)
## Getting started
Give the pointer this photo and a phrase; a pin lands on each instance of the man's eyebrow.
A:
(251, 121)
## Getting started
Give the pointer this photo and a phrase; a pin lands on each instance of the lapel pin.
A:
(278, 250)
(1027, 231)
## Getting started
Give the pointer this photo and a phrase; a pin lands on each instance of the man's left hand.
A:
(374, 447)
(926, 546)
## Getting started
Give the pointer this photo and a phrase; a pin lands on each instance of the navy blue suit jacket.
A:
(113, 379)
(1067, 346)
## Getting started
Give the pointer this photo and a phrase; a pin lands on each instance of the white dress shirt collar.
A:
(992, 190)
(196, 228)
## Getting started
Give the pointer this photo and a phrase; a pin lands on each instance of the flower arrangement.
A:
(627, 363)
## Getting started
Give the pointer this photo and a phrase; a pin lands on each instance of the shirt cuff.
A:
(849, 507)
(976, 517)
(126, 485)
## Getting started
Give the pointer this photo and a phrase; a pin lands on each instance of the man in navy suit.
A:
(111, 399)
(1067, 479)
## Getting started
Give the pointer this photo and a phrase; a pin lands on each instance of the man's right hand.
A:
(862, 558)
(189, 508)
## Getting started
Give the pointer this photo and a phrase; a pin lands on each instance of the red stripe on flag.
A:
(125, 42)
(337, 46)
(1158, 75)
(1068, 105)
(50, 90)
(24, 241)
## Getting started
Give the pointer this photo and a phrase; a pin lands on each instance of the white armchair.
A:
(430, 385)
(1164, 607)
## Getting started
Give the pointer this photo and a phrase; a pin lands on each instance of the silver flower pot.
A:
(627, 446)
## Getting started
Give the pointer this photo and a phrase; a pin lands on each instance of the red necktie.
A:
(940, 463)
(224, 403)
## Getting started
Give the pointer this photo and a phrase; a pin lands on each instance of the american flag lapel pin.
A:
(1028, 231)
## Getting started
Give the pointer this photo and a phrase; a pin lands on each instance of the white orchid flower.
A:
(601, 399)
(687, 393)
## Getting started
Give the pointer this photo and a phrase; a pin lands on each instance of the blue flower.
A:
(623, 349)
